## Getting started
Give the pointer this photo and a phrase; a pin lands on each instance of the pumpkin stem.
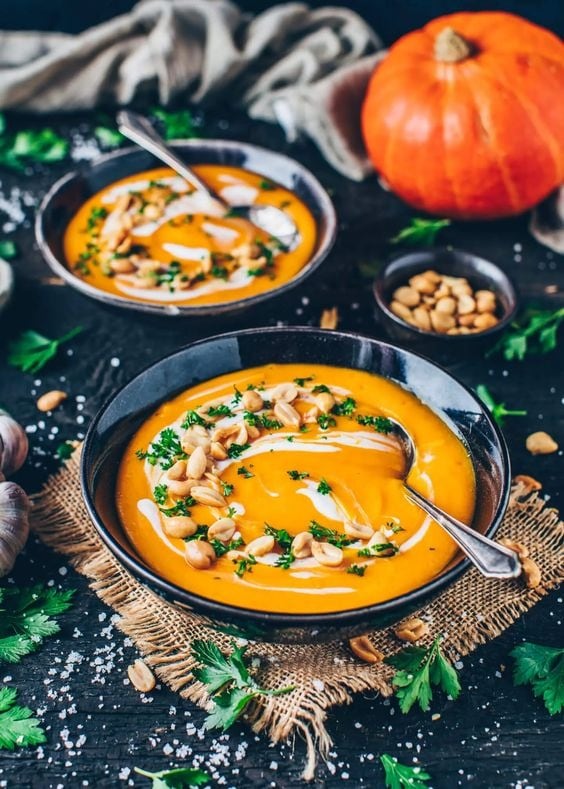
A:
(451, 47)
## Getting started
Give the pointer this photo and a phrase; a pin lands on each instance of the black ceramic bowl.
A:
(130, 406)
(481, 273)
(67, 195)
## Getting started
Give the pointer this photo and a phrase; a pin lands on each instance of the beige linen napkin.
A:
(305, 68)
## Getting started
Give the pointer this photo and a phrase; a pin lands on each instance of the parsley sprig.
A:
(419, 669)
(381, 424)
(402, 776)
(542, 668)
(535, 333)
(177, 778)
(498, 410)
(31, 351)
(30, 145)
(165, 451)
(18, 727)
(26, 618)
(420, 232)
(228, 681)
(329, 535)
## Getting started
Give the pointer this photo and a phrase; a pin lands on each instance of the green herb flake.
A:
(346, 408)
(356, 569)
(324, 487)
(176, 125)
(267, 186)
(320, 388)
(243, 471)
(332, 536)
(177, 778)
(498, 410)
(302, 381)
(535, 333)
(420, 232)
(160, 493)
(293, 474)
(182, 508)
(402, 776)
(64, 450)
(31, 351)
(108, 137)
(227, 488)
(543, 669)
(325, 421)
(244, 565)
(381, 424)
(282, 537)
(8, 250)
(193, 418)
(236, 450)
(18, 727)
(219, 410)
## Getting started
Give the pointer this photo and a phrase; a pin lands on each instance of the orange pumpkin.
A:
(465, 117)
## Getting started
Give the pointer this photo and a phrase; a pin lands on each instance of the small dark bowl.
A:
(481, 273)
(67, 195)
(120, 417)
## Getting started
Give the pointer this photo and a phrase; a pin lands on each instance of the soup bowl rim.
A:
(61, 269)
(340, 618)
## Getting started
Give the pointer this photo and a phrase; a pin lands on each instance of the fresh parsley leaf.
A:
(182, 507)
(227, 488)
(542, 668)
(282, 537)
(402, 776)
(237, 396)
(37, 145)
(220, 410)
(285, 560)
(31, 351)
(243, 471)
(176, 125)
(303, 381)
(177, 778)
(293, 474)
(26, 618)
(64, 450)
(160, 493)
(535, 333)
(418, 670)
(267, 186)
(420, 232)
(244, 565)
(236, 450)
(330, 535)
(345, 408)
(201, 532)
(319, 388)
(222, 548)
(324, 487)
(325, 421)
(165, 451)
(378, 548)
(8, 250)
(108, 137)
(497, 410)
(228, 681)
(18, 727)
(356, 569)
(194, 418)
(380, 423)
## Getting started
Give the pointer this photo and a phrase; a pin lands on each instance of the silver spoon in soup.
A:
(272, 220)
(490, 558)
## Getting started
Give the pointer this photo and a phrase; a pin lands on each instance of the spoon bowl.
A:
(490, 558)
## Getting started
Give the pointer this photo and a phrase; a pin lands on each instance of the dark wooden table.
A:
(495, 735)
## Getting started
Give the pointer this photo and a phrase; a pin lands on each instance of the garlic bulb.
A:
(6, 283)
(14, 524)
(13, 445)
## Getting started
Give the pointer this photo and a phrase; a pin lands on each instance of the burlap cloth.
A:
(469, 613)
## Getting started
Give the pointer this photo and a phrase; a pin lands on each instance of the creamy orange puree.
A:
(342, 473)
(151, 237)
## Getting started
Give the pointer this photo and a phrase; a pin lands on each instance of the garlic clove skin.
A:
(13, 445)
(14, 524)
(6, 283)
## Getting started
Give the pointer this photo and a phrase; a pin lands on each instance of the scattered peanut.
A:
(530, 483)
(541, 443)
(177, 471)
(329, 319)
(412, 630)
(518, 547)
(199, 554)
(531, 573)
(141, 676)
(51, 400)
(445, 305)
(364, 649)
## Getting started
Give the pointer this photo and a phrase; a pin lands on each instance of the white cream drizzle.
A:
(239, 194)
(187, 253)
(150, 510)
(175, 182)
(222, 233)
(238, 279)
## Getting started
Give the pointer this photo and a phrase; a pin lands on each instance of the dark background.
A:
(98, 728)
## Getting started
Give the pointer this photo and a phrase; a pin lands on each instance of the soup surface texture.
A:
(152, 237)
(278, 488)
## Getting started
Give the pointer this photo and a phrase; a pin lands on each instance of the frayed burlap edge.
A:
(469, 613)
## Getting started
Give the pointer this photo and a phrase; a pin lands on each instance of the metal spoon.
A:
(491, 559)
(272, 220)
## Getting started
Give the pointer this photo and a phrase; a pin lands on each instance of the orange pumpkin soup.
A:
(152, 237)
(278, 488)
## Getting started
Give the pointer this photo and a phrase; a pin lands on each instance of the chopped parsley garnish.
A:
(244, 472)
(329, 535)
(380, 423)
(176, 125)
(293, 474)
(96, 215)
(324, 487)
(325, 421)
(201, 533)
(244, 565)
(31, 351)
(180, 508)
(236, 450)
(498, 410)
(303, 381)
(266, 185)
(237, 396)
(261, 420)
(221, 548)
(227, 488)
(64, 450)
(219, 272)
(345, 408)
(319, 388)
(535, 333)
(8, 250)
(282, 537)
(356, 569)
(160, 493)
(378, 548)
(219, 410)
(231, 511)
(420, 232)
(285, 560)
(165, 451)
(194, 418)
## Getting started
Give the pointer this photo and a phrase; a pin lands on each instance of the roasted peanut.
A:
(485, 320)
(441, 321)
(222, 530)
(364, 649)
(422, 283)
(401, 311)
(531, 573)
(326, 554)
(412, 630)
(329, 319)
(177, 471)
(180, 487)
(197, 463)
(325, 401)
(422, 319)
(287, 414)
(122, 266)
(260, 546)
(466, 305)
(286, 393)
(518, 547)
(358, 530)
(179, 527)
(141, 676)
(252, 401)
(199, 554)
(541, 443)
(407, 296)
(51, 400)
(217, 451)
(207, 496)
(301, 545)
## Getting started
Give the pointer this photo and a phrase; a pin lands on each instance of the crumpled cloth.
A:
(306, 69)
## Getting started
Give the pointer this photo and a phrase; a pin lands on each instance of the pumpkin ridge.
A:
(536, 120)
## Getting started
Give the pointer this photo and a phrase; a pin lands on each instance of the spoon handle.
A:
(140, 130)
(491, 559)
